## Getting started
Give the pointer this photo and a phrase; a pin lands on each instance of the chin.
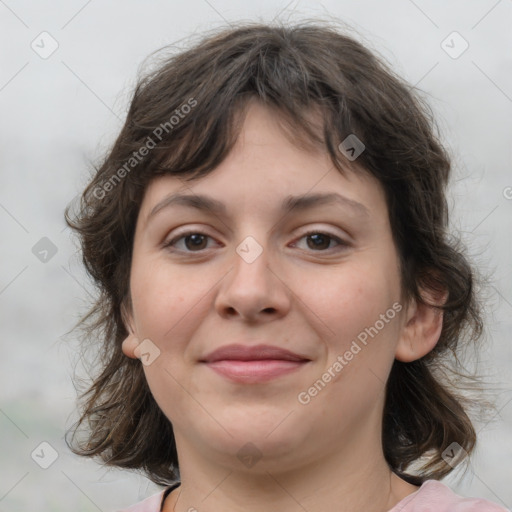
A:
(256, 452)
(268, 439)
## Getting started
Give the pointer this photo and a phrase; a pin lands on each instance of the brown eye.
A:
(195, 241)
(189, 242)
(321, 242)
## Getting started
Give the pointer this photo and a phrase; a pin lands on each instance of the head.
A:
(368, 289)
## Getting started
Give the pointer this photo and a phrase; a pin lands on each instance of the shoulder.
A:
(151, 504)
(434, 495)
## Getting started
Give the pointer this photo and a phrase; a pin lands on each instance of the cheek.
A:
(349, 299)
(164, 300)
(166, 305)
(359, 350)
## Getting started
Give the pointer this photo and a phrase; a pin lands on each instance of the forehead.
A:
(266, 168)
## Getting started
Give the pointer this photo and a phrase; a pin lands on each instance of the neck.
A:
(352, 479)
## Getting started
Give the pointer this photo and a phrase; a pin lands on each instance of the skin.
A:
(327, 454)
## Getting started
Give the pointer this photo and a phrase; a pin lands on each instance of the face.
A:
(310, 296)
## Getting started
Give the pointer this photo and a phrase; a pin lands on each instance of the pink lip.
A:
(259, 363)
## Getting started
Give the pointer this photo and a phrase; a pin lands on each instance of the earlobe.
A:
(130, 345)
(421, 332)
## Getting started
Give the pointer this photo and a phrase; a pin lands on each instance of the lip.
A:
(238, 352)
(252, 364)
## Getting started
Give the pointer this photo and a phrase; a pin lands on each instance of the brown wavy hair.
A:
(294, 70)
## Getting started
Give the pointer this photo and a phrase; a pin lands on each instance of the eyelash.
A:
(169, 245)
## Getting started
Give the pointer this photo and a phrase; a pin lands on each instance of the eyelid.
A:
(310, 230)
(325, 230)
(335, 232)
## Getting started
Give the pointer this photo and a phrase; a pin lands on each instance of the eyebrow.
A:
(300, 203)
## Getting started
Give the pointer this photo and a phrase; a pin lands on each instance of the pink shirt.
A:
(432, 496)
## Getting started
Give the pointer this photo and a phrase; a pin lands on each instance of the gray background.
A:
(59, 113)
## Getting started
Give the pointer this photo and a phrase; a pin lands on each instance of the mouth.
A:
(260, 363)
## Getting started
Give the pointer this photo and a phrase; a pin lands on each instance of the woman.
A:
(278, 288)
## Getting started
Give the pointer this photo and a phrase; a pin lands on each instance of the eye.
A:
(320, 241)
(196, 241)
(191, 241)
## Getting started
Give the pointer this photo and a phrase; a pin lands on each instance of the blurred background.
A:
(67, 69)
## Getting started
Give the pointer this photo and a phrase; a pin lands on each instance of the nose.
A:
(253, 291)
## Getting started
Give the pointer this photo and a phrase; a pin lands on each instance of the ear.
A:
(131, 342)
(423, 326)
